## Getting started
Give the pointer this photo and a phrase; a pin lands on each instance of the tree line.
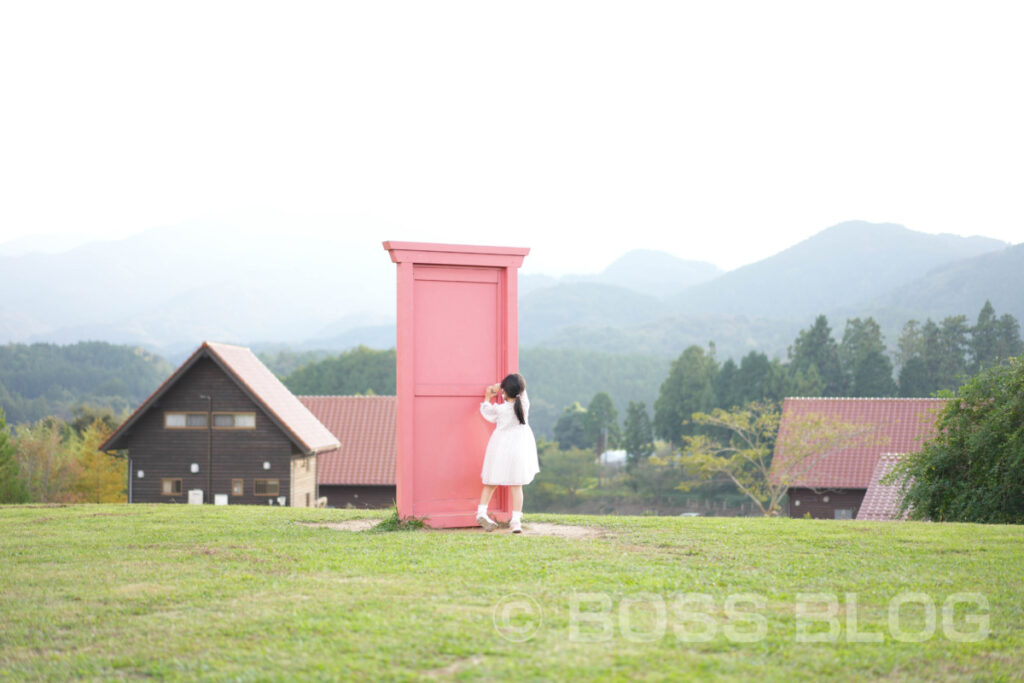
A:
(931, 357)
(57, 461)
(702, 404)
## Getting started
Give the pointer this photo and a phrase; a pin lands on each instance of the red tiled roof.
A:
(260, 384)
(263, 384)
(882, 502)
(365, 426)
(897, 425)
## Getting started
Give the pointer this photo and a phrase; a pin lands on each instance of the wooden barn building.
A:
(224, 429)
(361, 471)
(844, 483)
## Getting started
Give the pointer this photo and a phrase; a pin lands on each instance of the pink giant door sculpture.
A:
(457, 333)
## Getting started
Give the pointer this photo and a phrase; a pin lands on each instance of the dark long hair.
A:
(513, 386)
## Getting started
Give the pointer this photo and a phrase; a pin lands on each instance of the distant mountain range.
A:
(167, 289)
(851, 269)
(170, 288)
(845, 265)
(643, 271)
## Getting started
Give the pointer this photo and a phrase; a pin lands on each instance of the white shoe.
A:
(486, 522)
(516, 526)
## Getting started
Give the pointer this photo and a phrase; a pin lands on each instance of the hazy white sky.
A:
(720, 131)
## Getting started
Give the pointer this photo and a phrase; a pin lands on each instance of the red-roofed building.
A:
(833, 484)
(222, 425)
(882, 501)
(361, 471)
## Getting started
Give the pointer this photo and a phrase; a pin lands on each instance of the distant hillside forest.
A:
(40, 380)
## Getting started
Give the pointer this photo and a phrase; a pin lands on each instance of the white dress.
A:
(511, 456)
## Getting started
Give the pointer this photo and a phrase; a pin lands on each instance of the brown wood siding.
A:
(303, 482)
(358, 496)
(237, 453)
(812, 501)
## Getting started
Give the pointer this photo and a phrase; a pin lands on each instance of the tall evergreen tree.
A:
(910, 344)
(800, 383)
(864, 360)
(727, 387)
(602, 423)
(1010, 343)
(12, 488)
(753, 379)
(872, 376)
(571, 428)
(638, 436)
(688, 389)
(953, 345)
(915, 380)
(993, 340)
(816, 347)
(783, 380)
(933, 357)
(985, 339)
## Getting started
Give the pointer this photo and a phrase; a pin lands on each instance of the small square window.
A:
(237, 487)
(170, 487)
(844, 513)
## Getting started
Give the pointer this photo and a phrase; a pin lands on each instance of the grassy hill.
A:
(255, 593)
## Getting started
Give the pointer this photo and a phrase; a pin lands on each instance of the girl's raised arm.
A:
(489, 411)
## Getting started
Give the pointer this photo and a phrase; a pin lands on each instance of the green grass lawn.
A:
(251, 593)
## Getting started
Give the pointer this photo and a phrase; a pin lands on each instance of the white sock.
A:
(517, 516)
(481, 511)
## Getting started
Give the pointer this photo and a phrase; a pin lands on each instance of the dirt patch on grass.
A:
(529, 528)
(455, 667)
(347, 525)
(539, 529)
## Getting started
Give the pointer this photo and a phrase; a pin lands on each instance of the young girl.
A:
(511, 456)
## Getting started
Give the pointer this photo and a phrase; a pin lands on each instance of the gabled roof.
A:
(882, 502)
(256, 381)
(365, 426)
(897, 425)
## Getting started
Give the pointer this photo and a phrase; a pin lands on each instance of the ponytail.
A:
(513, 386)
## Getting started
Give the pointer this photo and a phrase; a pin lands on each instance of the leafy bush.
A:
(973, 470)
